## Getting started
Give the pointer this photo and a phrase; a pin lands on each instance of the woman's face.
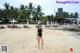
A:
(40, 27)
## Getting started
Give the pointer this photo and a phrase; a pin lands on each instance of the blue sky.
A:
(48, 6)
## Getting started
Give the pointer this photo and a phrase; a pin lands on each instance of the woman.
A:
(39, 36)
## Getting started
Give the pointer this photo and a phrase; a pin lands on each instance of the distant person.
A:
(39, 36)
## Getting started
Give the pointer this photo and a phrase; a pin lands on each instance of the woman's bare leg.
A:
(42, 42)
(38, 42)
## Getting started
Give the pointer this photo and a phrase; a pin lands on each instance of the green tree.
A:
(6, 12)
(71, 15)
(1, 14)
(76, 15)
(13, 13)
(38, 13)
(30, 10)
(23, 13)
(61, 15)
(50, 18)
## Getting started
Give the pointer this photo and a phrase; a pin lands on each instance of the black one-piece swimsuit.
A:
(40, 32)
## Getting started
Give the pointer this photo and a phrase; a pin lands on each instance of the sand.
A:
(24, 41)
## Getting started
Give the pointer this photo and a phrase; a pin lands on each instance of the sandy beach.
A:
(23, 40)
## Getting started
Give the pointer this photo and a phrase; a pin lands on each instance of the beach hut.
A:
(13, 21)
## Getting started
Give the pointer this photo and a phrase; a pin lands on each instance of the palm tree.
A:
(13, 12)
(6, 12)
(6, 5)
(30, 9)
(39, 14)
(1, 14)
(71, 15)
(23, 13)
(16, 13)
(76, 15)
